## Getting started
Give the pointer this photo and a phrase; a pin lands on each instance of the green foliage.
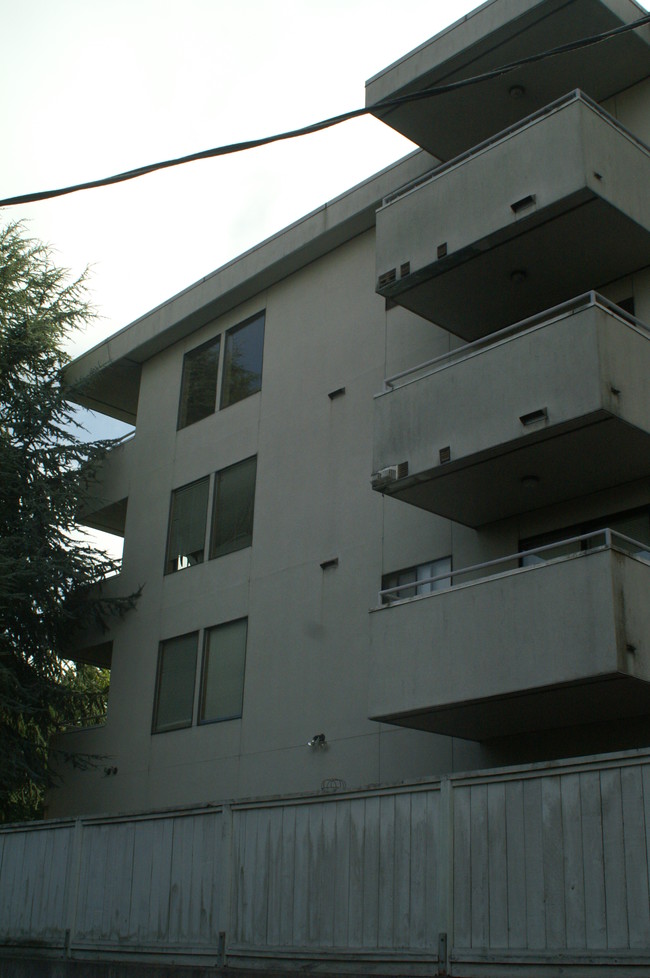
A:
(50, 575)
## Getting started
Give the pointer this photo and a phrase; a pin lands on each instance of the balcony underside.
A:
(614, 697)
(454, 121)
(512, 274)
(561, 463)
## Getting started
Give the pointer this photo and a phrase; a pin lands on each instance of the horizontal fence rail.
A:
(509, 871)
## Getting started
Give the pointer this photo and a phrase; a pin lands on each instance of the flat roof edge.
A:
(262, 266)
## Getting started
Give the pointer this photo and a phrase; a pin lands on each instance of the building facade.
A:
(405, 392)
(384, 703)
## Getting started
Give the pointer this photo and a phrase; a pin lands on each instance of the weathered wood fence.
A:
(542, 870)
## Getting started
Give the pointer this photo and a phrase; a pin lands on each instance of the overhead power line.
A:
(335, 120)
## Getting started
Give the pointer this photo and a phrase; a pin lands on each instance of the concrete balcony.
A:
(105, 507)
(544, 411)
(559, 643)
(555, 206)
(497, 34)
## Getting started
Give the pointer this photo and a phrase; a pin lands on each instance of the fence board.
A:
(497, 865)
(516, 870)
(613, 849)
(574, 881)
(636, 857)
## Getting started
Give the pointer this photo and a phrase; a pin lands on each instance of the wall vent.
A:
(534, 416)
(445, 454)
(386, 278)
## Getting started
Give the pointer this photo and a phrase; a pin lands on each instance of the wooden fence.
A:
(542, 870)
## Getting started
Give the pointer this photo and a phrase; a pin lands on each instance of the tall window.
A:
(174, 701)
(187, 517)
(222, 681)
(242, 371)
(199, 383)
(419, 576)
(234, 500)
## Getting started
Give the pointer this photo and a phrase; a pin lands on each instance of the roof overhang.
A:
(107, 378)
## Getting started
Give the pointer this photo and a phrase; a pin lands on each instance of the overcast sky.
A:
(94, 87)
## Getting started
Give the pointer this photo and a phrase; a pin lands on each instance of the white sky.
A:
(93, 87)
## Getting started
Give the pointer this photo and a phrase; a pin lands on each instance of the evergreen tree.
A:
(50, 574)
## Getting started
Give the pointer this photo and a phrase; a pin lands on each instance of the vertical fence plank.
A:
(593, 860)
(462, 901)
(387, 872)
(636, 857)
(497, 866)
(613, 849)
(516, 872)
(534, 859)
(553, 844)
(341, 897)
(479, 867)
(574, 881)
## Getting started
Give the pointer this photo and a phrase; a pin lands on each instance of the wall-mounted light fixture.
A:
(318, 742)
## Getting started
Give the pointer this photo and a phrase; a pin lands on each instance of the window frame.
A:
(173, 495)
(167, 728)
(416, 584)
(228, 334)
(214, 341)
(218, 475)
(200, 719)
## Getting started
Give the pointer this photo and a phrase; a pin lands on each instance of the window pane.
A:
(187, 526)
(234, 499)
(175, 683)
(199, 384)
(242, 372)
(222, 688)
(433, 569)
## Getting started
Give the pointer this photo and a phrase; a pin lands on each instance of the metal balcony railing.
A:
(528, 325)
(524, 560)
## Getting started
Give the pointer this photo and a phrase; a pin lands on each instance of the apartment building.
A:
(434, 387)
(384, 703)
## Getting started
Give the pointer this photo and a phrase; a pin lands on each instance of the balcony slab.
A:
(551, 208)
(535, 648)
(556, 411)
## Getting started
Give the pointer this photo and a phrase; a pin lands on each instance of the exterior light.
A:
(518, 276)
(318, 741)
(516, 91)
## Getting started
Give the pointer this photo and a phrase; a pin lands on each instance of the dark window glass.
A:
(188, 513)
(199, 383)
(234, 500)
(222, 682)
(175, 683)
(242, 371)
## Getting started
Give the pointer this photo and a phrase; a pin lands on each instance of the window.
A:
(199, 383)
(222, 681)
(242, 370)
(174, 701)
(232, 516)
(222, 677)
(186, 538)
(419, 576)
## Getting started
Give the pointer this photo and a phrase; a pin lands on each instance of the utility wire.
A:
(378, 107)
